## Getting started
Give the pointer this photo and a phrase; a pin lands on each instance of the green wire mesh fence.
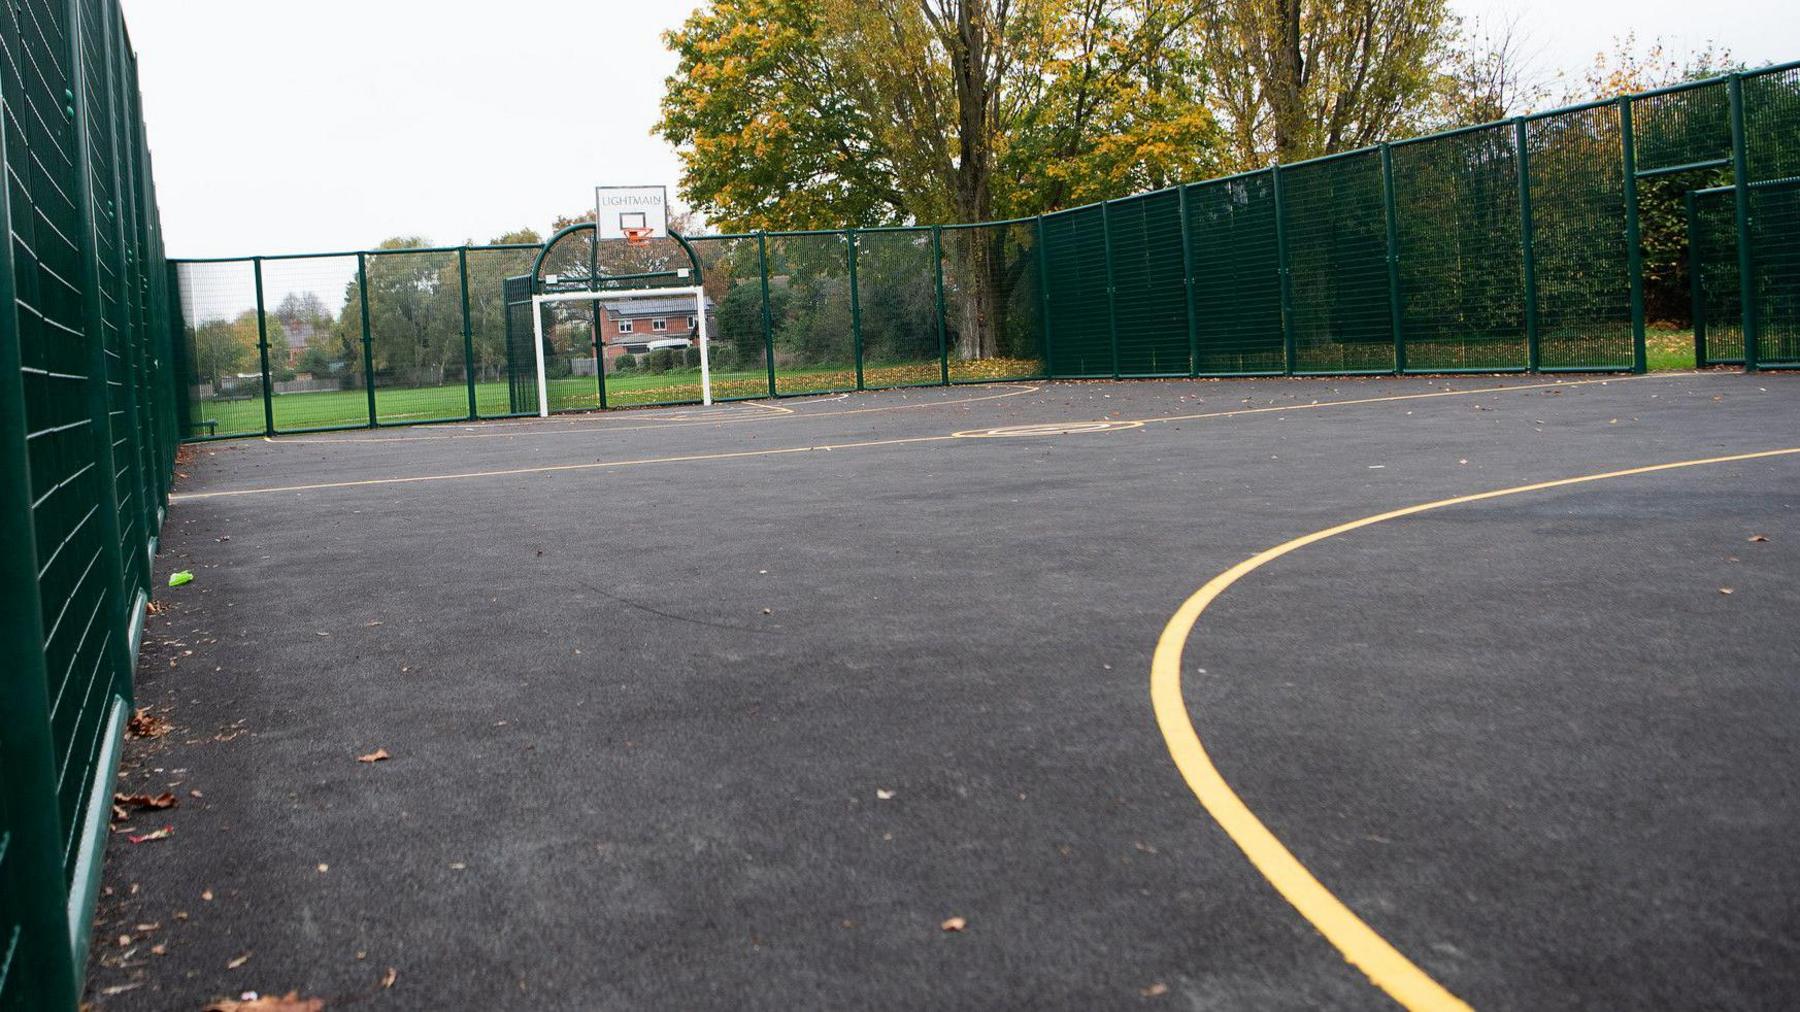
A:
(1545, 243)
(90, 418)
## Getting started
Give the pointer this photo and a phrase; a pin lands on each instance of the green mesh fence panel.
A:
(1237, 279)
(1772, 124)
(736, 337)
(1775, 273)
(224, 378)
(1718, 302)
(1461, 261)
(1337, 259)
(87, 430)
(415, 336)
(1079, 307)
(520, 358)
(896, 285)
(993, 302)
(1149, 293)
(314, 327)
(1677, 128)
(1578, 219)
(815, 349)
(505, 368)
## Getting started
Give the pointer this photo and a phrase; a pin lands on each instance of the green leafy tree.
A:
(220, 352)
(1301, 78)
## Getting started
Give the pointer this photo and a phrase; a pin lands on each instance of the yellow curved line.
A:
(1385, 966)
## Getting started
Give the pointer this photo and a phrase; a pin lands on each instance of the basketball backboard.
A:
(621, 208)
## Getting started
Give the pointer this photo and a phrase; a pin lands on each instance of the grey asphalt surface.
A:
(643, 712)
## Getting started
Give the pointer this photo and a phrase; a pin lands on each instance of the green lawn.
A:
(244, 416)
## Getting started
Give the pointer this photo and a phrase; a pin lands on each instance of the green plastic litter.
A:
(177, 579)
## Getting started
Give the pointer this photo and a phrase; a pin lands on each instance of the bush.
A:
(662, 360)
(721, 357)
(625, 363)
(692, 356)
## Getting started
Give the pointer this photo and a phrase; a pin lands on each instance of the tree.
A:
(415, 313)
(219, 352)
(1321, 77)
(817, 115)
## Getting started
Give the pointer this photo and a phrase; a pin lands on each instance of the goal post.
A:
(696, 292)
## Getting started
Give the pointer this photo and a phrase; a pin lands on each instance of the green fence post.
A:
(1043, 268)
(768, 314)
(1390, 210)
(1696, 297)
(1634, 252)
(856, 336)
(1112, 303)
(1740, 193)
(937, 263)
(32, 877)
(178, 359)
(597, 338)
(1289, 352)
(368, 344)
(262, 350)
(462, 275)
(1187, 282)
(1527, 243)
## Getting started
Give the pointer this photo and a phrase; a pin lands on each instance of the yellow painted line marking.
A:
(1385, 966)
(1099, 425)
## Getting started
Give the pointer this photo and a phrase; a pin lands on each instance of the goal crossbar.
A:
(613, 295)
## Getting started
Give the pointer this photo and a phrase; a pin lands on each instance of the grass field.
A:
(1667, 348)
(416, 404)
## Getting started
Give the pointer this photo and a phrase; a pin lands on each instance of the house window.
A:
(659, 325)
(624, 326)
(690, 323)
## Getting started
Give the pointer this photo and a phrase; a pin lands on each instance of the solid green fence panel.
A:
(992, 302)
(1077, 300)
(1460, 251)
(1149, 292)
(223, 381)
(1237, 280)
(415, 336)
(1337, 258)
(1578, 226)
(500, 333)
(896, 280)
(86, 439)
(809, 285)
(313, 321)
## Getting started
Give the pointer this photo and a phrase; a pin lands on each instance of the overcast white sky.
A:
(331, 124)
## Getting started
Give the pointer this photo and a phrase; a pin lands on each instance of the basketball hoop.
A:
(638, 236)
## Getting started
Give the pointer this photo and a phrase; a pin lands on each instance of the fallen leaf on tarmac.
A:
(144, 724)
(160, 834)
(239, 961)
(1156, 990)
(885, 795)
(164, 800)
(388, 978)
(1758, 537)
(954, 924)
(290, 1002)
(207, 895)
(1725, 590)
(118, 989)
(374, 757)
